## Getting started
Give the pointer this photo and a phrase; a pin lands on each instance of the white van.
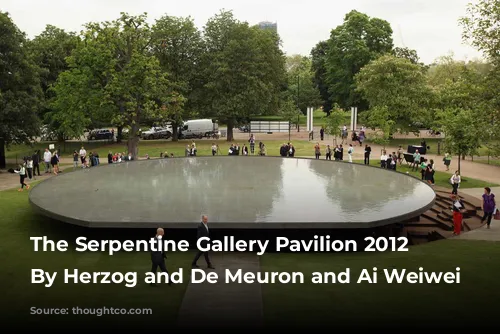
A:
(198, 128)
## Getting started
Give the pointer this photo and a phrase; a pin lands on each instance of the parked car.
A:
(100, 134)
(244, 128)
(156, 133)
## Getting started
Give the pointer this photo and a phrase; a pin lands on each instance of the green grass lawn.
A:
(442, 179)
(155, 147)
(306, 305)
(18, 223)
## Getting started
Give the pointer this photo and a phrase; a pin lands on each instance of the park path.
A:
(224, 305)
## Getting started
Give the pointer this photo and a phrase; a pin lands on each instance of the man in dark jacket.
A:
(36, 162)
(203, 232)
(158, 256)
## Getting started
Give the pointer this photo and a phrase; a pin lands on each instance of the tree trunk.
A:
(459, 171)
(119, 134)
(230, 126)
(133, 141)
(175, 131)
(3, 162)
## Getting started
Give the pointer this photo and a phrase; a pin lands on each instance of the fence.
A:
(269, 126)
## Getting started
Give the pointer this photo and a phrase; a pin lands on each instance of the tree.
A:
(480, 27)
(113, 76)
(301, 86)
(243, 71)
(406, 53)
(318, 66)
(352, 45)
(50, 50)
(464, 131)
(333, 123)
(20, 92)
(289, 112)
(397, 87)
(178, 45)
(379, 119)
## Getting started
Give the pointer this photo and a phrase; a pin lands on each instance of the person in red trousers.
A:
(458, 210)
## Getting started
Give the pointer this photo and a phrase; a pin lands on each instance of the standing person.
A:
(36, 163)
(291, 152)
(328, 153)
(423, 168)
(368, 151)
(83, 157)
(322, 134)
(245, 150)
(317, 151)
(29, 168)
(488, 206)
(417, 160)
(47, 156)
(188, 151)
(383, 160)
(54, 161)
(341, 153)
(158, 255)
(214, 149)
(350, 152)
(203, 232)
(447, 161)
(252, 144)
(455, 181)
(22, 177)
(458, 209)
(110, 157)
(75, 159)
(400, 155)
(429, 173)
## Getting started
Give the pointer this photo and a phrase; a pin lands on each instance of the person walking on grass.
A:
(488, 205)
(22, 177)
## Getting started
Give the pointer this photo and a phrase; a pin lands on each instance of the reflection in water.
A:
(233, 189)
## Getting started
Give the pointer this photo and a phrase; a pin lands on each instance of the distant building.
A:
(269, 26)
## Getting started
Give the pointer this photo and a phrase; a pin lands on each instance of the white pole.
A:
(352, 119)
(355, 118)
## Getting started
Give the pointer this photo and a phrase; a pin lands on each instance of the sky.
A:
(428, 26)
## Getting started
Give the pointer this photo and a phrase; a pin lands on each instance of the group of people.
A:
(287, 150)
(336, 153)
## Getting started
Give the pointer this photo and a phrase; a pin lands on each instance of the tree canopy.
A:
(20, 90)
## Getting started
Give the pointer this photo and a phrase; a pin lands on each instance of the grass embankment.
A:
(18, 223)
(408, 305)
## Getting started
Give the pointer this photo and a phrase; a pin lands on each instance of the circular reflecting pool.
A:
(235, 192)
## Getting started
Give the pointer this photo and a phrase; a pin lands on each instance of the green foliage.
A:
(288, 111)
(481, 27)
(318, 67)
(334, 121)
(352, 45)
(406, 53)
(395, 89)
(113, 76)
(379, 119)
(20, 92)
(464, 130)
(178, 45)
(301, 86)
(243, 71)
